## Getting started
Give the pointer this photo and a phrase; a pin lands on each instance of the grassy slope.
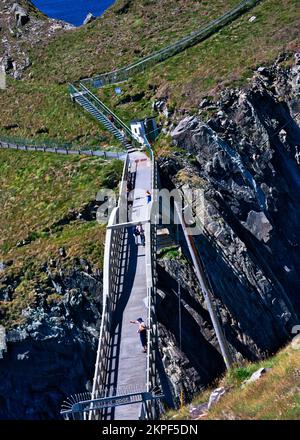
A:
(116, 39)
(276, 396)
(113, 40)
(38, 190)
(226, 59)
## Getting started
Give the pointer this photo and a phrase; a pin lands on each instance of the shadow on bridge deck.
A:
(127, 371)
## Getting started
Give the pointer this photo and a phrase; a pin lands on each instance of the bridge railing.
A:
(149, 409)
(112, 265)
(204, 32)
(107, 111)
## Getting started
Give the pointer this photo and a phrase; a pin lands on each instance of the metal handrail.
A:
(206, 290)
(106, 109)
(84, 93)
(60, 150)
(113, 248)
(78, 409)
(124, 73)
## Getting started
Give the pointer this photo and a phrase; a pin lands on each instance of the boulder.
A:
(215, 397)
(199, 411)
(89, 18)
(256, 376)
(62, 252)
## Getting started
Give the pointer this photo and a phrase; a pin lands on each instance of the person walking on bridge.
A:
(142, 234)
(142, 330)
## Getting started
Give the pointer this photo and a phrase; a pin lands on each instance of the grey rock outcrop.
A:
(51, 355)
(259, 225)
(246, 157)
(215, 397)
(21, 29)
(21, 15)
(194, 365)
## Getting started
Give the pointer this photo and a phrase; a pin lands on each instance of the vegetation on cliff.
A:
(275, 396)
(128, 31)
(47, 203)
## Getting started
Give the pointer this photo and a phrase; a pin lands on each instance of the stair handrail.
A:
(95, 102)
(108, 110)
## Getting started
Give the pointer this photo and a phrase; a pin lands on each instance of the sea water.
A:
(72, 11)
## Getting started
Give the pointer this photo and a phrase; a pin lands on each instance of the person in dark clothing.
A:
(142, 330)
(136, 234)
(148, 196)
(142, 234)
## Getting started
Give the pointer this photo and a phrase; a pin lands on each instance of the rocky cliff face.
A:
(246, 158)
(51, 355)
(188, 345)
(22, 26)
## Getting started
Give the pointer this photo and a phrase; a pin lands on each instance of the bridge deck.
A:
(128, 371)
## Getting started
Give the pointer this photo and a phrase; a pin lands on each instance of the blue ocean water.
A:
(72, 11)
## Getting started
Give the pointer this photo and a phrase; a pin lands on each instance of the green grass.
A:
(37, 191)
(114, 40)
(275, 396)
(30, 108)
(170, 253)
(117, 39)
(226, 59)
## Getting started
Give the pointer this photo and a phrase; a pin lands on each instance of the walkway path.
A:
(128, 362)
(68, 151)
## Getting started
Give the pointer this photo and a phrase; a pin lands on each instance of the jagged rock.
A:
(259, 225)
(204, 103)
(249, 169)
(187, 124)
(7, 63)
(89, 18)
(21, 30)
(22, 243)
(21, 15)
(23, 356)
(193, 367)
(11, 126)
(57, 339)
(124, 7)
(62, 252)
(161, 107)
(42, 130)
